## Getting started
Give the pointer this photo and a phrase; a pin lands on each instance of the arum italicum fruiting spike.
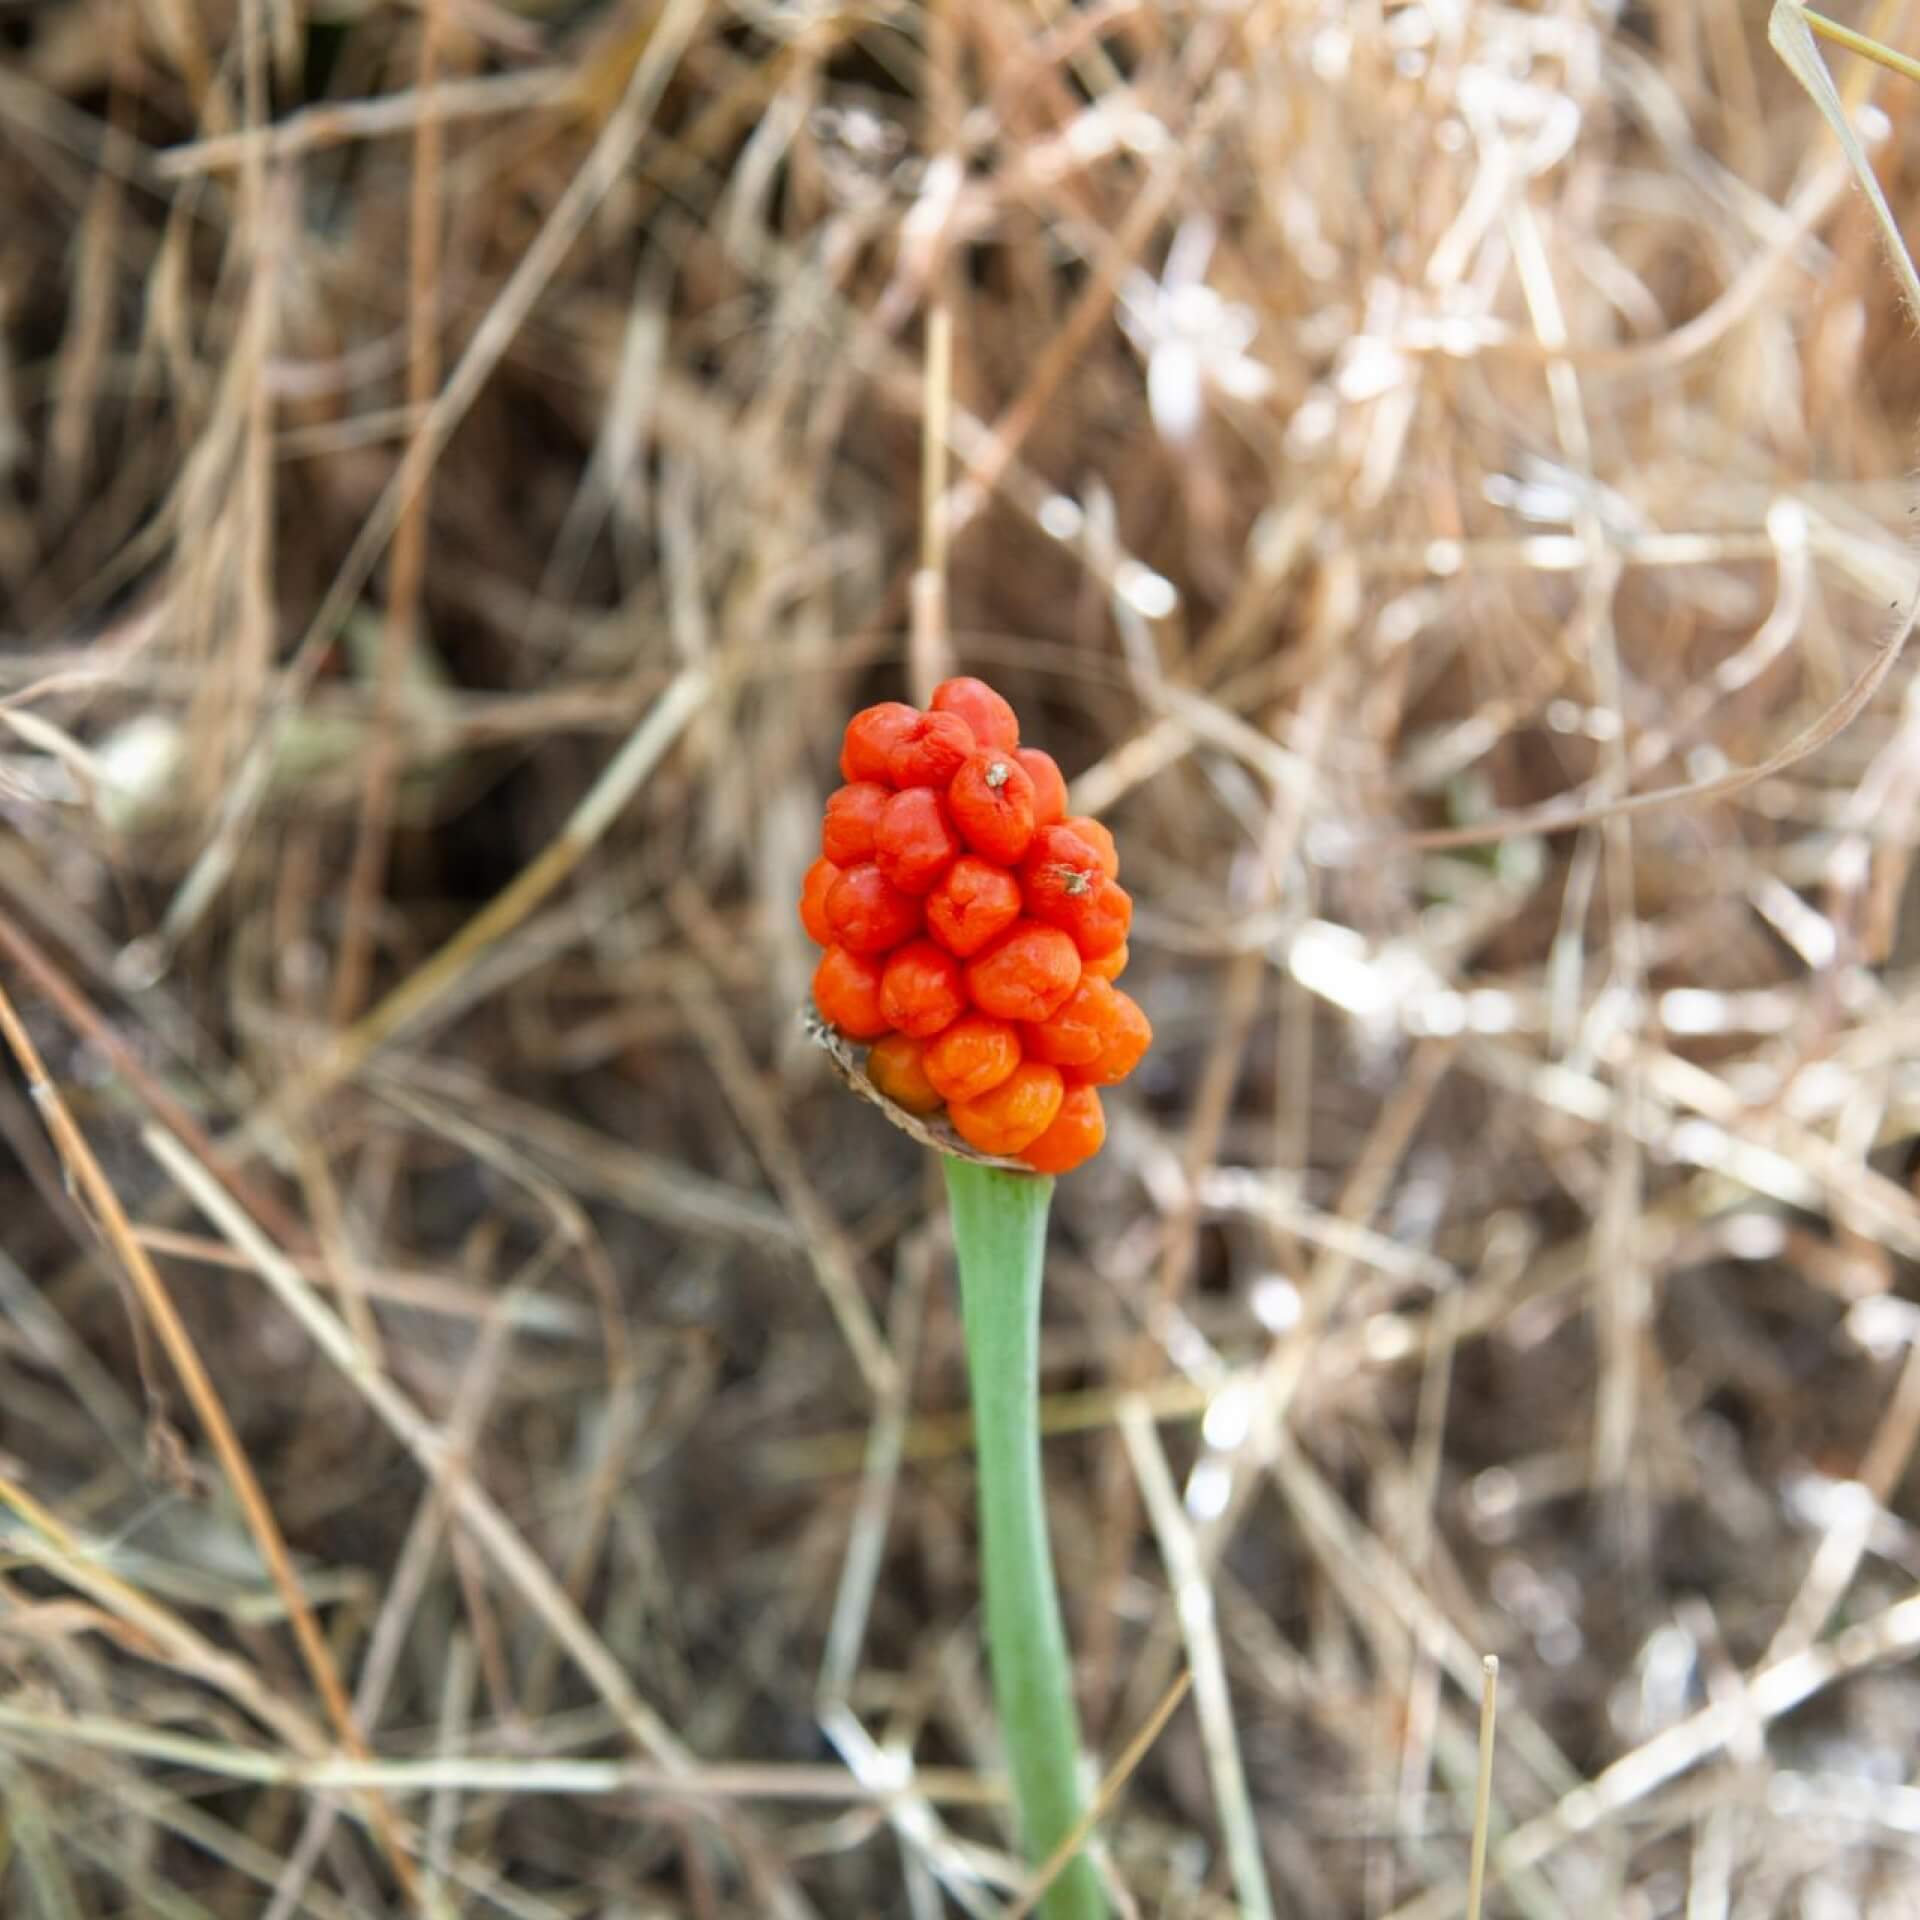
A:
(973, 933)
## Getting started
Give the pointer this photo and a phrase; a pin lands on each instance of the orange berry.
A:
(1129, 1034)
(974, 903)
(915, 842)
(853, 812)
(870, 738)
(846, 989)
(1049, 786)
(991, 800)
(920, 990)
(930, 752)
(1015, 1113)
(1026, 974)
(1076, 1036)
(1107, 966)
(1099, 838)
(895, 1065)
(868, 913)
(813, 901)
(972, 1057)
(992, 720)
(1078, 1132)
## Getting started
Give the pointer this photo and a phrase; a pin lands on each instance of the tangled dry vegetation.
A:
(437, 550)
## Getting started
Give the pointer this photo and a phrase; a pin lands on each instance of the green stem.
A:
(1000, 1241)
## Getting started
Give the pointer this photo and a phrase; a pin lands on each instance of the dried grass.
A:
(1437, 477)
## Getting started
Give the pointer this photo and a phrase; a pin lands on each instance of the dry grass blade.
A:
(1438, 479)
(155, 1301)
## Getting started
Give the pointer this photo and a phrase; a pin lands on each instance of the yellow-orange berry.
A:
(897, 1066)
(972, 1056)
(1128, 1035)
(1015, 1114)
(1076, 1036)
(1078, 1132)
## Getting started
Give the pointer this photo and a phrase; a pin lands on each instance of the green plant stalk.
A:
(999, 1242)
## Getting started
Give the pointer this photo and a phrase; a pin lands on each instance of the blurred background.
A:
(481, 1408)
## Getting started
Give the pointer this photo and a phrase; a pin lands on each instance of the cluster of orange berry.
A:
(973, 931)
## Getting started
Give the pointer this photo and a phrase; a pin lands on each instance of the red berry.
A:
(1026, 974)
(896, 1065)
(1065, 884)
(920, 990)
(915, 843)
(1049, 786)
(846, 834)
(1015, 1114)
(975, 903)
(813, 901)
(991, 719)
(846, 989)
(868, 913)
(991, 800)
(930, 752)
(1100, 839)
(870, 738)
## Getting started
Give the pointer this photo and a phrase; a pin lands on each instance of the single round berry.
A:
(1100, 921)
(870, 738)
(1049, 786)
(974, 904)
(1099, 838)
(931, 751)
(972, 1057)
(868, 913)
(846, 989)
(813, 901)
(1065, 884)
(915, 843)
(1076, 1036)
(853, 812)
(1078, 1132)
(1026, 974)
(920, 989)
(1015, 1114)
(987, 714)
(896, 1065)
(991, 800)
(1129, 1034)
